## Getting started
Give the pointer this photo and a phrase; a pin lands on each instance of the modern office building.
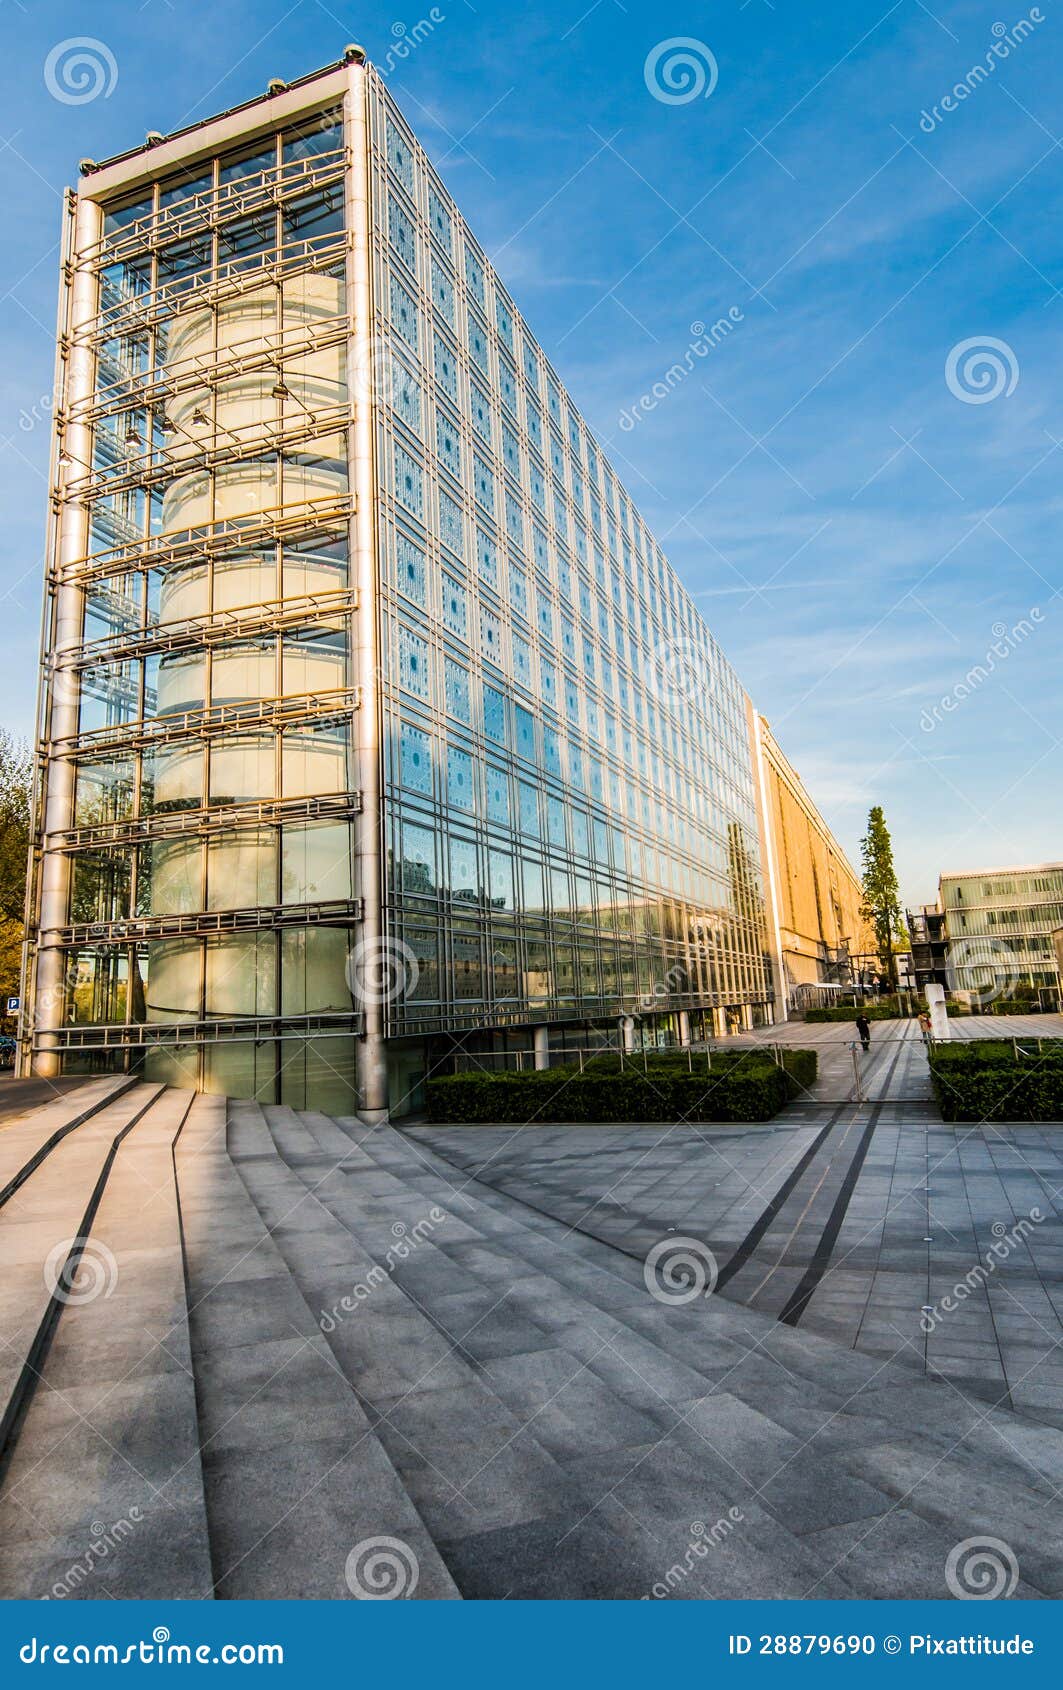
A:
(373, 718)
(825, 945)
(999, 924)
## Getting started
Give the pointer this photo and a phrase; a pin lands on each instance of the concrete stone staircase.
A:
(270, 1340)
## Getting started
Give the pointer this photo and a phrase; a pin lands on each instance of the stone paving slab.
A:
(513, 1399)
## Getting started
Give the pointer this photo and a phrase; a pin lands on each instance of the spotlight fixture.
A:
(280, 389)
(200, 418)
(132, 438)
(163, 423)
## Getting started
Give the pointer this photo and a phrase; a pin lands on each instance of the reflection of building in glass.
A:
(825, 944)
(374, 716)
(999, 923)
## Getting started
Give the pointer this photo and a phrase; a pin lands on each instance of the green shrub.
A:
(849, 1012)
(739, 1086)
(802, 1066)
(984, 1080)
(1010, 1006)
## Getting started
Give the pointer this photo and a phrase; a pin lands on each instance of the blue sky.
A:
(859, 524)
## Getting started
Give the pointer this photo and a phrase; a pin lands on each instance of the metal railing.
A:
(264, 191)
(208, 721)
(222, 818)
(698, 1057)
(277, 524)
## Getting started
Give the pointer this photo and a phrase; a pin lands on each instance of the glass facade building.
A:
(374, 723)
(1000, 924)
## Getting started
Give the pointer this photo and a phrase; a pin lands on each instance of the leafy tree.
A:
(16, 790)
(882, 903)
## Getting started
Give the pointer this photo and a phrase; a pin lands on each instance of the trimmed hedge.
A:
(1009, 1006)
(982, 1080)
(849, 1012)
(877, 1012)
(740, 1086)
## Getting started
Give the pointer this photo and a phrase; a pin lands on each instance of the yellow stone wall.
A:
(817, 888)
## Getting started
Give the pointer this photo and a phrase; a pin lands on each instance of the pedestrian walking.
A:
(925, 1025)
(863, 1027)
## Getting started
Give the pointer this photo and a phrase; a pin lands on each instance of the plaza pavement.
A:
(242, 1347)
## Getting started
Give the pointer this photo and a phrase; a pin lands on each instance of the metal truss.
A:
(266, 190)
(266, 351)
(277, 525)
(202, 823)
(210, 721)
(261, 1029)
(260, 440)
(338, 912)
(142, 311)
(273, 616)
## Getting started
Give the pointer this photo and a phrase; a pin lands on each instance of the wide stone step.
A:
(944, 1494)
(295, 1479)
(24, 1144)
(555, 1399)
(103, 1496)
(43, 1231)
(782, 1410)
(468, 1463)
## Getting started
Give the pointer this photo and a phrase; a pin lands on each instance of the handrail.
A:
(209, 720)
(204, 369)
(227, 534)
(219, 627)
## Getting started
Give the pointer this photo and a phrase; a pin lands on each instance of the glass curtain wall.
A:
(569, 785)
(211, 890)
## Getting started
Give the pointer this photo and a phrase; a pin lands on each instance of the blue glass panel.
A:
(460, 787)
(457, 691)
(411, 579)
(416, 756)
(403, 313)
(413, 663)
(494, 715)
(455, 608)
(529, 810)
(497, 795)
